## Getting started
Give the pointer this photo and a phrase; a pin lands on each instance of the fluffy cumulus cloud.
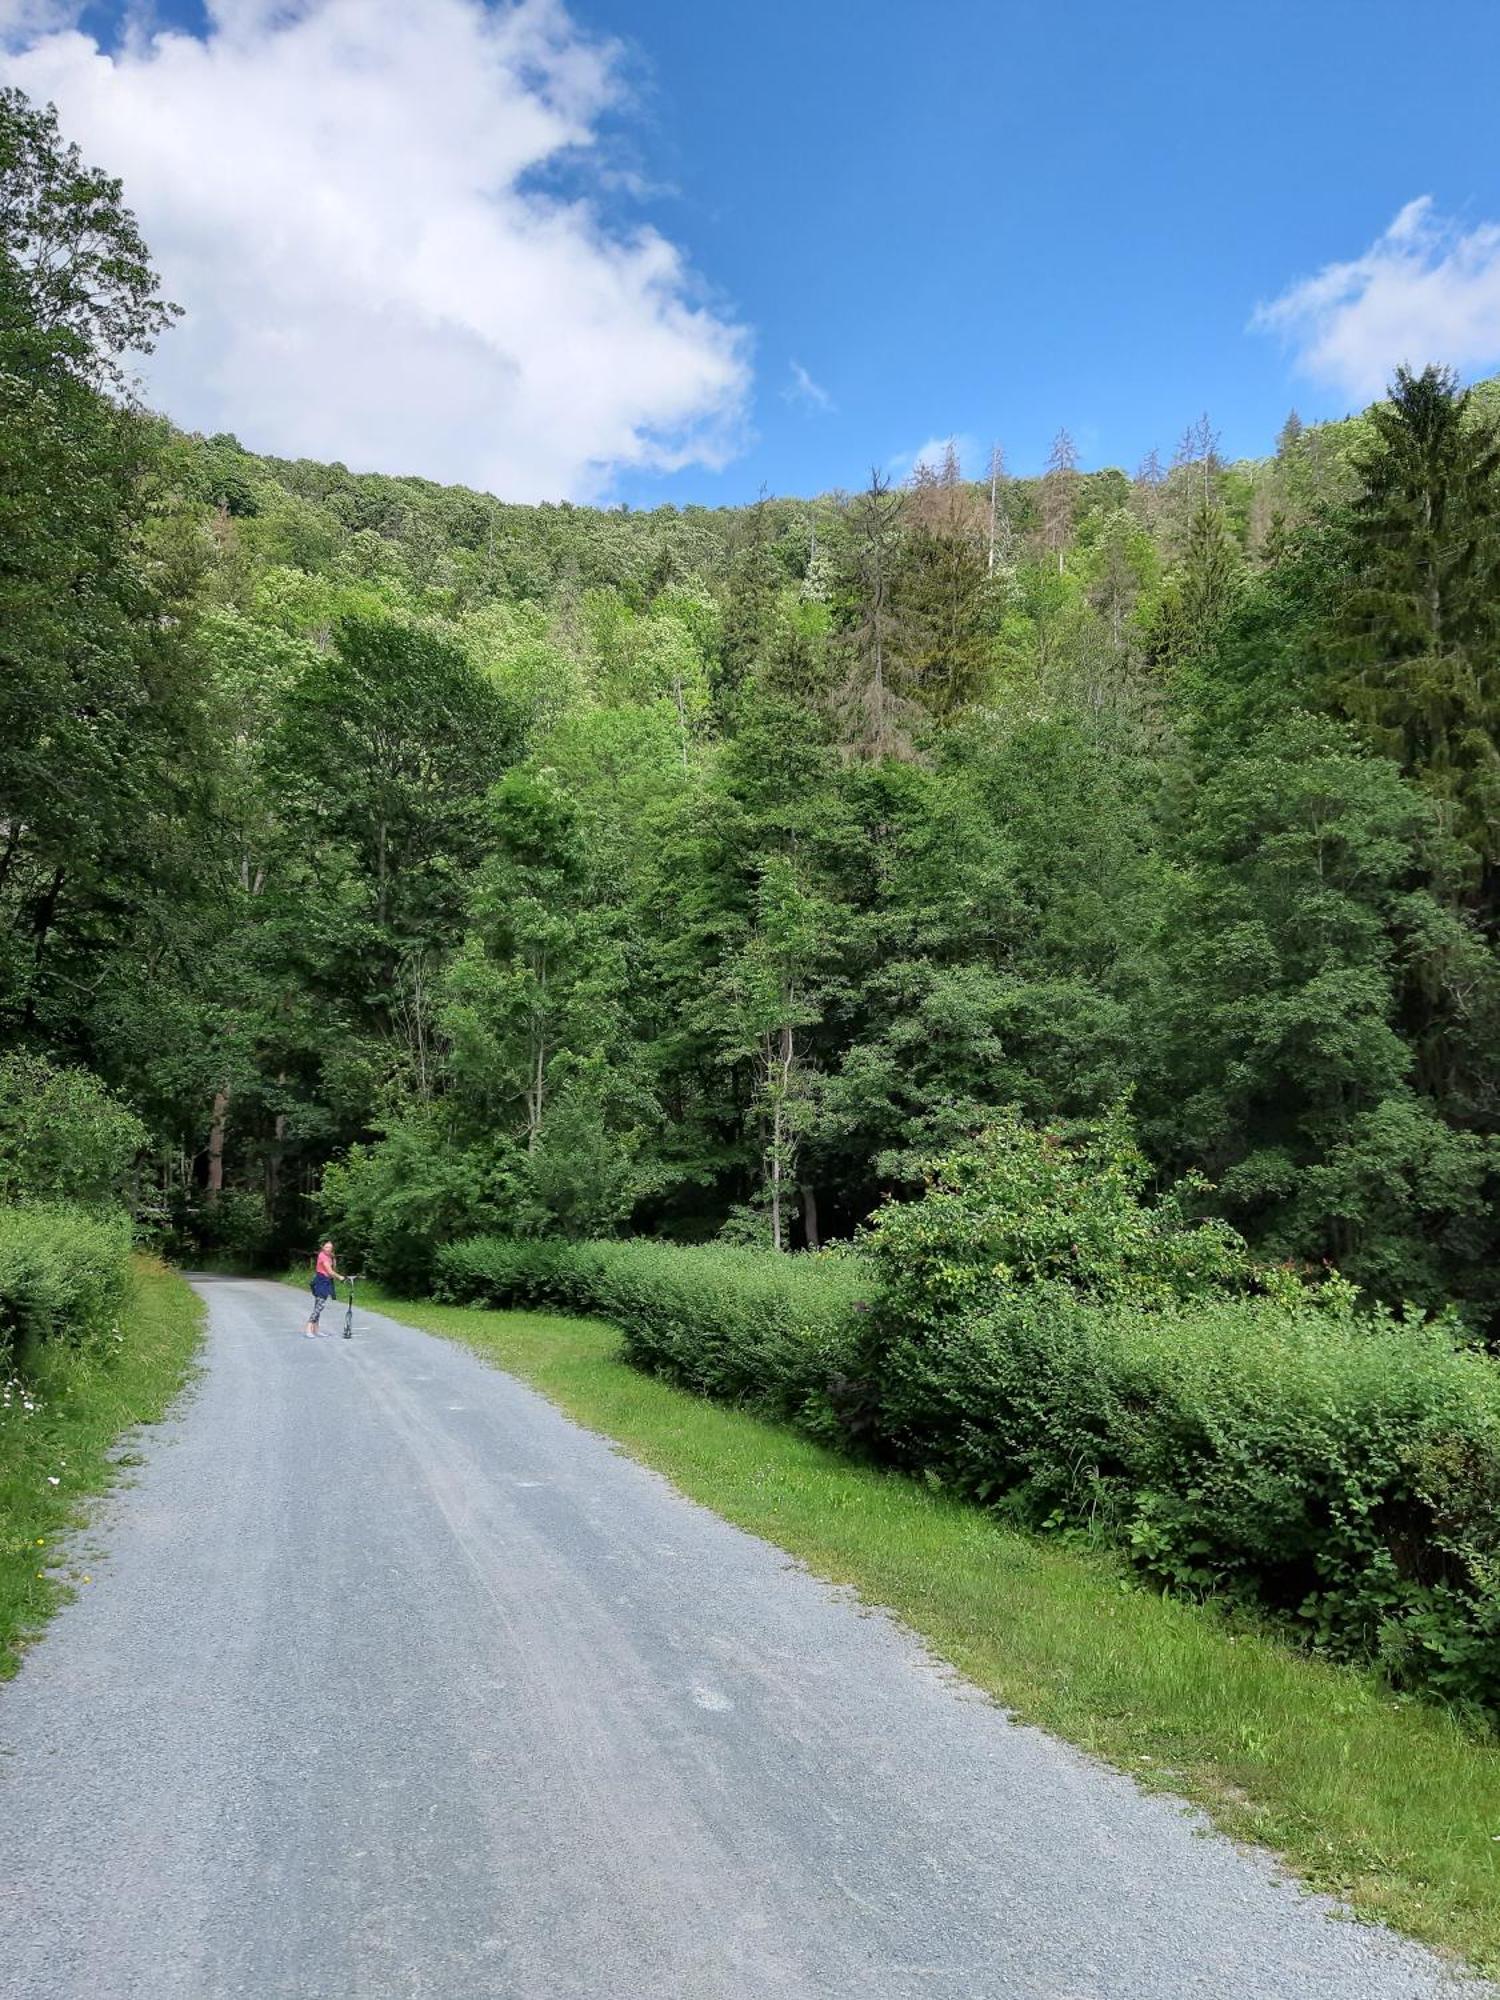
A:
(344, 196)
(1425, 290)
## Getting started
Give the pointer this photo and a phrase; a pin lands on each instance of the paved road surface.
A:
(392, 1683)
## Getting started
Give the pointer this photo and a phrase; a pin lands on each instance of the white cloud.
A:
(342, 195)
(1426, 290)
(803, 389)
(21, 19)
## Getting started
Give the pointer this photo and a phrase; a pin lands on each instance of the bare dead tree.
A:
(1147, 488)
(998, 525)
(1060, 485)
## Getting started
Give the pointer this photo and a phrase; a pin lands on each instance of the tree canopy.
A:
(395, 854)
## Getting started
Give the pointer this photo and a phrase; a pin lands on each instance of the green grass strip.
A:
(1389, 1804)
(57, 1445)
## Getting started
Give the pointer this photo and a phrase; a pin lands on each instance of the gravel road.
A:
(393, 1683)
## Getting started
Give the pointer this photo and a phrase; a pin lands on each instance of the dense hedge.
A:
(64, 1273)
(776, 1332)
(1341, 1471)
(1034, 1335)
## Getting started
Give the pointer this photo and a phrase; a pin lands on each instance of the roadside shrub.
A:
(64, 1273)
(1020, 1205)
(749, 1326)
(64, 1136)
(390, 1203)
(1339, 1470)
(521, 1273)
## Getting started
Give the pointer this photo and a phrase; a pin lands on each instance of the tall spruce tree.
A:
(1417, 637)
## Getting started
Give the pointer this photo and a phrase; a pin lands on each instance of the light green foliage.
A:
(1022, 1207)
(63, 1136)
(392, 1203)
(539, 681)
(63, 1276)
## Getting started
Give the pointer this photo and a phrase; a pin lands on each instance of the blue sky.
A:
(998, 218)
(985, 220)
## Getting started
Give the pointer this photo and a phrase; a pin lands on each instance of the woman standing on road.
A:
(322, 1287)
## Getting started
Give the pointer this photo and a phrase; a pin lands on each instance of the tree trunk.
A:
(810, 1216)
(776, 1177)
(41, 931)
(682, 728)
(537, 1086)
(216, 1145)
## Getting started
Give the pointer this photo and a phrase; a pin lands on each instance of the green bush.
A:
(389, 1204)
(64, 1274)
(523, 1273)
(63, 1135)
(1021, 1205)
(1034, 1335)
(1339, 1470)
(1046, 1340)
(750, 1326)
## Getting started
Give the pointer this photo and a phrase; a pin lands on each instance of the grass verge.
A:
(1389, 1804)
(57, 1443)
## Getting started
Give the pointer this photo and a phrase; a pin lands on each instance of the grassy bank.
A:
(57, 1439)
(1388, 1803)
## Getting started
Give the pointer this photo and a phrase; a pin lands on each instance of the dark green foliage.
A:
(1419, 627)
(1278, 1061)
(99, 720)
(517, 1273)
(390, 742)
(64, 1272)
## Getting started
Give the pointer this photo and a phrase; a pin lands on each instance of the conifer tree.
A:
(873, 702)
(1418, 632)
(942, 576)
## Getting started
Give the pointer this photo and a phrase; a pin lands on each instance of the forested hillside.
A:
(423, 864)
